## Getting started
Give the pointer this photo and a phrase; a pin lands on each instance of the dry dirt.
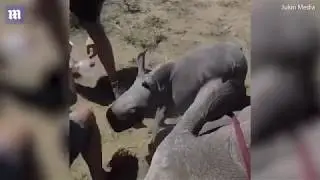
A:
(169, 28)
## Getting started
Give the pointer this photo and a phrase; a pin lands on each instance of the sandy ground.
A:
(169, 28)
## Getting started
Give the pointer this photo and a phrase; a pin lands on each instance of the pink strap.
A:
(306, 162)
(242, 146)
(305, 158)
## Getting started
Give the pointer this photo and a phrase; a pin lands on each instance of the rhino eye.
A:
(145, 85)
(132, 110)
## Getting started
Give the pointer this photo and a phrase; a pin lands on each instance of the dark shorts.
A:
(86, 10)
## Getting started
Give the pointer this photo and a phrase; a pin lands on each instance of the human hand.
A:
(91, 48)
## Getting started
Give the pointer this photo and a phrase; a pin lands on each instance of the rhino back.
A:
(197, 67)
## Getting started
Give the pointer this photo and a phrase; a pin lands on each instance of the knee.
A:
(83, 117)
(82, 125)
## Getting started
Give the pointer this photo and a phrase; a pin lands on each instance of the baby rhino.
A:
(172, 87)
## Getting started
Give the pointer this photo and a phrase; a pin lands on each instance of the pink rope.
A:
(306, 161)
(243, 146)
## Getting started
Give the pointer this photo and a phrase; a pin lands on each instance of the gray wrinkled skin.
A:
(173, 86)
(215, 156)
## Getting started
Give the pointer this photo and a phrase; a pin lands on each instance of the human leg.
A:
(88, 13)
(85, 138)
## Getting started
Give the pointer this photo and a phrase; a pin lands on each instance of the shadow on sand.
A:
(124, 166)
(102, 92)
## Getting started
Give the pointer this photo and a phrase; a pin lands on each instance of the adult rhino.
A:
(187, 154)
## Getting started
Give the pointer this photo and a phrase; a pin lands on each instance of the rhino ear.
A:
(141, 62)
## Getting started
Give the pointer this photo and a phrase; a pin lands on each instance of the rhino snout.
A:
(119, 125)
